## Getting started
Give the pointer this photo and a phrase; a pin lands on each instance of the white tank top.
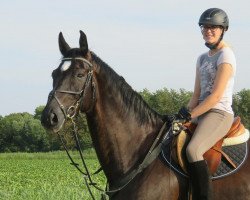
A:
(207, 66)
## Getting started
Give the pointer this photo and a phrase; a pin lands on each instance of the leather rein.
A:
(71, 113)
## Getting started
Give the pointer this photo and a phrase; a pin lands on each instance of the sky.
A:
(152, 44)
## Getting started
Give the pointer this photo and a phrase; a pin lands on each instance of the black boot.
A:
(201, 181)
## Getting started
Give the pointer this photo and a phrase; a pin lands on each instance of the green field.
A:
(35, 176)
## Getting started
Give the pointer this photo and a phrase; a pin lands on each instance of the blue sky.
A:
(152, 44)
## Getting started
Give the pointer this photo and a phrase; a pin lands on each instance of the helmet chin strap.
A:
(214, 46)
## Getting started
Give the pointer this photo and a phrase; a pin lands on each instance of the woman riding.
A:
(211, 102)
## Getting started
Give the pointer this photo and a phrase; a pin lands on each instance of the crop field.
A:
(36, 176)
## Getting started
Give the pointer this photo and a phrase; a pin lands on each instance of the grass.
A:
(39, 176)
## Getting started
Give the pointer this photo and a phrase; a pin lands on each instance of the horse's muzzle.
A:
(52, 118)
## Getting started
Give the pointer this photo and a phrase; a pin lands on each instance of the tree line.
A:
(24, 132)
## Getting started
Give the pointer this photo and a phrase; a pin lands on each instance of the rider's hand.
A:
(168, 118)
(184, 114)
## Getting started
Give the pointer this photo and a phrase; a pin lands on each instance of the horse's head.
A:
(73, 87)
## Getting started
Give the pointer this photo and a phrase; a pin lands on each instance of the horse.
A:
(123, 128)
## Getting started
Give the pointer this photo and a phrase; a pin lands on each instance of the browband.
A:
(78, 58)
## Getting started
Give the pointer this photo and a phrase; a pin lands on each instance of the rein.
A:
(152, 154)
(71, 113)
(86, 175)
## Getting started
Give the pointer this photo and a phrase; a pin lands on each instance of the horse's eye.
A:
(80, 75)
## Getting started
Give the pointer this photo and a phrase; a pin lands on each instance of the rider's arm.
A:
(194, 100)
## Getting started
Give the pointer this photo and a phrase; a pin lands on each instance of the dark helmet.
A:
(214, 16)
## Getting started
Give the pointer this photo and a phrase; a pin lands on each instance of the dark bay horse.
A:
(122, 127)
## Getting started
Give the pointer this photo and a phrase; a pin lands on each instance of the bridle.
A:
(76, 106)
(71, 113)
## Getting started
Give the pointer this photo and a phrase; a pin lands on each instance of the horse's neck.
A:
(121, 141)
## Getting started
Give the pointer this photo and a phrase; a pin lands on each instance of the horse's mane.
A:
(132, 100)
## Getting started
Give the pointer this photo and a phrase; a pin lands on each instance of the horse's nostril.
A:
(53, 119)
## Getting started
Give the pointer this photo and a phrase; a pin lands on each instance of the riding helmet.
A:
(214, 16)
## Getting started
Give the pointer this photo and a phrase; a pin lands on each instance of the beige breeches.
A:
(212, 126)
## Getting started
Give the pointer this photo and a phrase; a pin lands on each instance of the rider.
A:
(211, 102)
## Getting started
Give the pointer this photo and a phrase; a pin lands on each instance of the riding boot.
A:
(201, 181)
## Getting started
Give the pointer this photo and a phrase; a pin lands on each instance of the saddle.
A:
(236, 135)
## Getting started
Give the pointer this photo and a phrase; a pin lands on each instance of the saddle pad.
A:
(237, 153)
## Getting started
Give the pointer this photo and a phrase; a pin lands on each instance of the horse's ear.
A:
(64, 47)
(83, 42)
